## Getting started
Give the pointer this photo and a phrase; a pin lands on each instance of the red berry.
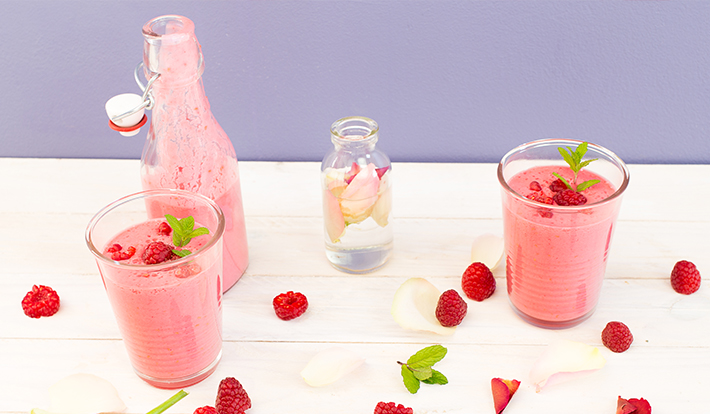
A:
(451, 308)
(205, 410)
(290, 305)
(231, 397)
(478, 282)
(164, 228)
(535, 186)
(114, 248)
(392, 408)
(557, 186)
(685, 277)
(123, 255)
(540, 198)
(157, 252)
(40, 301)
(617, 337)
(569, 198)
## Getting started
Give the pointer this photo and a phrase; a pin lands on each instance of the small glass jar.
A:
(356, 179)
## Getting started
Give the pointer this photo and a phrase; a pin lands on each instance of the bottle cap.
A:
(126, 113)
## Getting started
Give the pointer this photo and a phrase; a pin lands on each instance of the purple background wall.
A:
(452, 81)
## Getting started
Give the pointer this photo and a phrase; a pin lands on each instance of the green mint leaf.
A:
(410, 381)
(427, 357)
(168, 403)
(181, 253)
(585, 163)
(567, 157)
(565, 182)
(184, 231)
(436, 378)
(581, 150)
(421, 373)
(587, 184)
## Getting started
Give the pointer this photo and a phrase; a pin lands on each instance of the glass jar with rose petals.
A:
(357, 197)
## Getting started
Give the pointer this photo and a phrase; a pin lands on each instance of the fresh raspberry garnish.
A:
(535, 186)
(157, 252)
(451, 308)
(392, 408)
(123, 255)
(557, 186)
(290, 305)
(205, 410)
(685, 277)
(617, 337)
(40, 301)
(164, 228)
(540, 198)
(231, 397)
(114, 248)
(478, 282)
(632, 406)
(569, 198)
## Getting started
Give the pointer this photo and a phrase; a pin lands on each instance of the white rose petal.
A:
(564, 360)
(487, 249)
(330, 365)
(414, 307)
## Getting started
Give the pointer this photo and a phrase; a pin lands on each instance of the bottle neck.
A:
(354, 134)
(172, 50)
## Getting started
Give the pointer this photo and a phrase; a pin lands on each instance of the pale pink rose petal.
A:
(383, 206)
(333, 217)
(565, 360)
(359, 197)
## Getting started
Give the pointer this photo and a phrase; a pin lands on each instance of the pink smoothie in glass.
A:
(169, 313)
(556, 256)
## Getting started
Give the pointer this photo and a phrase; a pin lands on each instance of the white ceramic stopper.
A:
(121, 104)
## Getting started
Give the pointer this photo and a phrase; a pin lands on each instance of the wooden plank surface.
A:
(439, 209)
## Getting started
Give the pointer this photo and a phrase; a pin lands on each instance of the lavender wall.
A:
(453, 81)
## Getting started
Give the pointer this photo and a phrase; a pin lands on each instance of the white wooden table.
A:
(439, 209)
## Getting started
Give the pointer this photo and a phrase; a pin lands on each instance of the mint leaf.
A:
(427, 357)
(418, 368)
(410, 381)
(183, 232)
(573, 157)
(436, 378)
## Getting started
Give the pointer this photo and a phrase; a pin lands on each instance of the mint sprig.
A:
(574, 159)
(183, 231)
(418, 368)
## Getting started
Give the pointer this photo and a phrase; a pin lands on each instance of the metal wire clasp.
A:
(147, 98)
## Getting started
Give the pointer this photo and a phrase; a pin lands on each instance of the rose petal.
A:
(564, 360)
(414, 307)
(359, 197)
(383, 206)
(332, 217)
(487, 249)
(503, 391)
(330, 365)
(84, 394)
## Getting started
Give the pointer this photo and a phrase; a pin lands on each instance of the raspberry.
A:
(392, 408)
(540, 198)
(119, 255)
(617, 337)
(114, 248)
(231, 397)
(40, 301)
(535, 186)
(290, 305)
(451, 308)
(685, 277)
(569, 198)
(557, 186)
(164, 228)
(478, 282)
(157, 252)
(205, 410)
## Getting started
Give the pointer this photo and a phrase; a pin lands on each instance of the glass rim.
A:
(361, 122)
(218, 234)
(562, 141)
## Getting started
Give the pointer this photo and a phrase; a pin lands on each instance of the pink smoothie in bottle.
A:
(556, 255)
(186, 148)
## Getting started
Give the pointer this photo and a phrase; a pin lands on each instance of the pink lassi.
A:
(556, 255)
(186, 148)
(169, 313)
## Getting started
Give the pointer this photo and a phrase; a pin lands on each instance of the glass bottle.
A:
(357, 197)
(186, 148)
